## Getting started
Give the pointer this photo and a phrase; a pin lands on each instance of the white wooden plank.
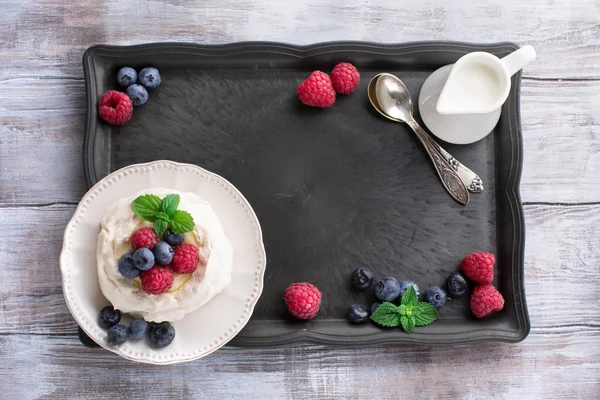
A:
(561, 141)
(548, 366)
(41, 140)
(42, 124)
(562, 269)
(48, 38)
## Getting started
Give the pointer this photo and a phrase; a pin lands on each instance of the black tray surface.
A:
(334, 189)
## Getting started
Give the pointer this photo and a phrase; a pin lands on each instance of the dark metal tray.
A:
(334, 189)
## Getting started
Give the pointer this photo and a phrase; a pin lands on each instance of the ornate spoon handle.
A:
(450, 179)
(470, 179)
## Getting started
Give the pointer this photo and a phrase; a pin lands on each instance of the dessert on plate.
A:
(162, 254)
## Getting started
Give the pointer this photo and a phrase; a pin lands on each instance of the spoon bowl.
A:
(390, 97)
(372, 93)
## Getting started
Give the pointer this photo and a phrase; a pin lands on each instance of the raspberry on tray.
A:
(115, 107)
(317, 90)
(302, 300)
(345, 78)
(479, 267)
(485, 300)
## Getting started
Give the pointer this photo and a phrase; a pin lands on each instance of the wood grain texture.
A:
(561, 141)
(41, 127)
(42, 121)
(547, 366)
(44, 38)
(561, 356)
(41, 140)
(548, 257)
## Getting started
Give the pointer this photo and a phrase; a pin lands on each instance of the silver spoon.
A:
(390, 97)
(471, 179)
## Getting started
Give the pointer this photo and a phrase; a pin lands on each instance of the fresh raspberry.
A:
(317, 90)
(345, 78)
(157, 279)
(485, 300)
(115, 107)
(144, 237)
(302, 300)
(479, 267)
(185, 258)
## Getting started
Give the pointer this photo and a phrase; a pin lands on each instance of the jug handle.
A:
(518, 59)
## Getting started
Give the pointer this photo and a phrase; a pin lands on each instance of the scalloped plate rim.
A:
(78, 213)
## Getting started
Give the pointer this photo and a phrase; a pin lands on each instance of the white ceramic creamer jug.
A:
(479, 82)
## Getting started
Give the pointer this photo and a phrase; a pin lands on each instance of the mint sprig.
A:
(387, 315)
(163, 213)
(160, 226)
(146, 207)
(409, 297)
(425, 314)
(410, 313)
(169, 204)
(408, 323)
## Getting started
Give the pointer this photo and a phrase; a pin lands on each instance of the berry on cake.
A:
(161, 254)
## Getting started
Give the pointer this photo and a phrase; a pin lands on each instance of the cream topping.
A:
(189, 291)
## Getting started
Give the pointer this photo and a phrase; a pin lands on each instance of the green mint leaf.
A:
(408, 323)
(181, 222)
(409, 297)
(424, 314)
(387, 314)
(402, 309)
(163, 215)
(146, 207)
(160, 226)
(169, 204)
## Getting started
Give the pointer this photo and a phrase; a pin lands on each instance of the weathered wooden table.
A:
(41, 128)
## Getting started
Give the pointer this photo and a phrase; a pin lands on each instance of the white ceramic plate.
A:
(202, 331)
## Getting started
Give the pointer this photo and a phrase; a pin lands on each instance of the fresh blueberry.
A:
(109, 316)
(126, 266)
(406, 284)
(138, 94)
(387, 289)
(172, 238)
(143, 259)
(138, 329)
(374, 307)
(457, 285)
(163, 253)
(362, 279)
(161, 334)
(436, 296)
(127, 76)
(149, 77)
(357, 314)
(117, 334)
